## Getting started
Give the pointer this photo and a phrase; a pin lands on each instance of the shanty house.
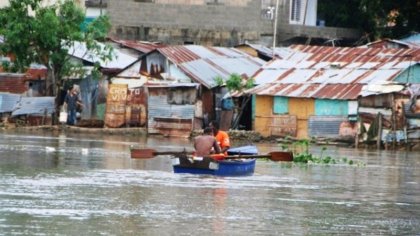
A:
(93, 91)
(314, 91)
(19, 105)
(171, 109)
(179, 65)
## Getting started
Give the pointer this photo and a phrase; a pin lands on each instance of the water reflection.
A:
(88, 184)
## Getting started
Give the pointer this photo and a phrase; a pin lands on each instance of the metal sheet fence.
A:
(325, 126)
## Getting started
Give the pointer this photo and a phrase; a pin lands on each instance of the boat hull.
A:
(209, 166)
(243, 150)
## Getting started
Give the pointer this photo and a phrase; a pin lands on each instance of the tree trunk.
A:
(49, 83)
(53, 85)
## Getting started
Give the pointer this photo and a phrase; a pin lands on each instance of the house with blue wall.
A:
(315, 91)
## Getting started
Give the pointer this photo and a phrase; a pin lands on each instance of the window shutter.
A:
(295, 11)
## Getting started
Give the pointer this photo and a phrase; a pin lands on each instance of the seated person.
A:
(206, 144)
(222, 137)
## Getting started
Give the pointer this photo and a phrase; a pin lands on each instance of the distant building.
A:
(95, 8)
(221, 22)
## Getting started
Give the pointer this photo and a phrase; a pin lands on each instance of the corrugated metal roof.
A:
(119, 60)
(141, 46)
(187, 53)
(204, 64)
(390, 43)
(334, 73)
(322, 91)
(344, 54)
(8, 101)
(178, 54)
(266, 51)
(414, 39)
(174, 85)
(279, 52)
(202, 72)
(34, 106)
(371, 89)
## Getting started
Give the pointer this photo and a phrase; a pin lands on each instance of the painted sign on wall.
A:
(115, 105)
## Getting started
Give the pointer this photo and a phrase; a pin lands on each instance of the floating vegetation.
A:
(304, 156)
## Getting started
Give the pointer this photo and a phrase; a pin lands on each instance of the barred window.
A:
(295, 11)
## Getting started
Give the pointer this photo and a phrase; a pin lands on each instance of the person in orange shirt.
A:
(222, 137)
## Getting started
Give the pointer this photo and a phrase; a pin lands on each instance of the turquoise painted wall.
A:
(86, 22)
(411, 75)
(281, 105)
(327, 107)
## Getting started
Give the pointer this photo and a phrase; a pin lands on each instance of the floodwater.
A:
(57, 184)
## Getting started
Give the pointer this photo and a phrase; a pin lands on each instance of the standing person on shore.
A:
(222, 137)
(29, 92)
(206, 144)
(71, 101)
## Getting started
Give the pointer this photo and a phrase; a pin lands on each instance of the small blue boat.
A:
(210, 166)
(243, 150)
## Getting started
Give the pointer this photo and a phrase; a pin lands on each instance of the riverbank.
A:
(240, 135)
(237, 135)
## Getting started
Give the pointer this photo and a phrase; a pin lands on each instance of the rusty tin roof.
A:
(204, 64)
(331, 73)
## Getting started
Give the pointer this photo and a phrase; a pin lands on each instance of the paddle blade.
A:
(281, 156)
(142, 153)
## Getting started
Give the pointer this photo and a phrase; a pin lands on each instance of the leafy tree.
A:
(36, 34)
(377, 18)
(235, 82)
(390, 18)
(344, 13)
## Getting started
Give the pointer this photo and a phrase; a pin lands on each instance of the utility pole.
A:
(275, 26)
(100, 7)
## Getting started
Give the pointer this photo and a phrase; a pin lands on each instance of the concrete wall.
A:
(179, 24)
(207, 22)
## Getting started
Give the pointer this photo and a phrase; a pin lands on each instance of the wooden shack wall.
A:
(269, 124)
(136, 109)
(115, 105)
(263, 115)
(303, 117)
(302, 108)
(171, 111)
(207, 98)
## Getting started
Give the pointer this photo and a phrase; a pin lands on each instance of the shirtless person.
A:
(204, 144)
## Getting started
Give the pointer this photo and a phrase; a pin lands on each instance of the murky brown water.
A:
(88, 185)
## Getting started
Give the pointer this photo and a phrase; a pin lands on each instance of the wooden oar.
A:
(149, 153)
(274, 156)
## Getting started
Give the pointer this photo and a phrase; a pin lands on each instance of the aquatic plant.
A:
(301, 154)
